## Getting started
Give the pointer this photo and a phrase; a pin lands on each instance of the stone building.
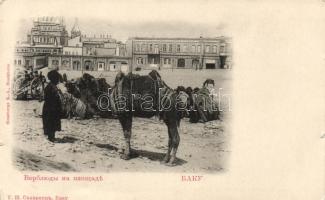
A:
(89, 63)
(34, 57)
(194, 53)
(84, 53)
(49, 45)
(47, 37)
(48, 31)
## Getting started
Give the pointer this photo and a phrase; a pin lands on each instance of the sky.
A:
(121, 30)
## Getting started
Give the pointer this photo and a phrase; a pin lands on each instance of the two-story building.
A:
(92, 54)
(195, 53)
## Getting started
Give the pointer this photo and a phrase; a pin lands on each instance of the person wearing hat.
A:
(52, 109)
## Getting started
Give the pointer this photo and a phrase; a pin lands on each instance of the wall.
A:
(72, 50)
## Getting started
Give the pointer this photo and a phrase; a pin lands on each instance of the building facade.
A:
(194, 53)
(89, 63)
(48, 31)
(34, 57)
(92, 54)
(47, 37)
(49, 45)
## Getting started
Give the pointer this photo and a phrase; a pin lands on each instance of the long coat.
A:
(52, 109)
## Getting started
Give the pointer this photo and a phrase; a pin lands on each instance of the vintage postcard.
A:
(162, 100)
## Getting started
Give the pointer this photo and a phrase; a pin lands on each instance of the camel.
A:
(147, 96)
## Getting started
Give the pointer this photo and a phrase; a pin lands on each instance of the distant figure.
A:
(51, 114)
(27, 77)
(36, 73)
(31, 74)
(65, 78)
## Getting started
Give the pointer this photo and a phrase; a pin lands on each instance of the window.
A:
(139, 61)
(143, 47)
(193, 48)
(170, 49)
(214, 49)
(150, 47)
(19, 62)
(167, 61)
(181, 63)
(199, 49)
(178, 49)
(65, 63)
(222, 49)
(137, 47)
(185, 48)
(207, 48)
(55, 62)
(101, 66)
(164, 47)
(156, 48)
(15, 62)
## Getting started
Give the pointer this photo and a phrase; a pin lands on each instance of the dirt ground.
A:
(94, 145)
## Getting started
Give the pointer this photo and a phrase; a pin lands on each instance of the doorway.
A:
(181, 63)
(210, 66)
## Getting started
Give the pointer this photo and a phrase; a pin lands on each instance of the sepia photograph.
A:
(150, 99)
(90, 97)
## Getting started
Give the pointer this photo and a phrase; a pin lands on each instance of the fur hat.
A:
(54, 76)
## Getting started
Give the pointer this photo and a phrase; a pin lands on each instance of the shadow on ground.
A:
(154, 156)
(31, 162)
(66, 139)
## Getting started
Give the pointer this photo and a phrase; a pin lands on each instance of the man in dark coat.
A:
(52, 106)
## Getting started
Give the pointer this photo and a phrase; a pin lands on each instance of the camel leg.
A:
(126, 122)
(167, 156)
(175, 143)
